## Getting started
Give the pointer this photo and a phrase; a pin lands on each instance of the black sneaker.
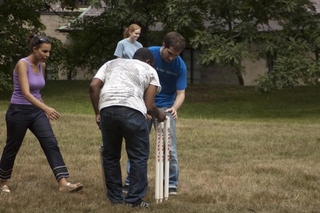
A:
(125, 189)
(173, 191)
(141, 205)
(116, 203)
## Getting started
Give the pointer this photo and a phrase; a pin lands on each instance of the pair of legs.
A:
(20, 118)
(117, 123)
(174, 167)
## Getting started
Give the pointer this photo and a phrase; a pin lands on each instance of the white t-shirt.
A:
(125, 81)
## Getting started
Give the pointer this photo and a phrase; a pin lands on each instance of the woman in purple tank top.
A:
(28, 111)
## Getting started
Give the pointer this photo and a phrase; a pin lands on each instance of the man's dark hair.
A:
(174, 40)
(144, 54)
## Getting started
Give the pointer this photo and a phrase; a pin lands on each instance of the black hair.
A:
(36, 40)
(144, 54)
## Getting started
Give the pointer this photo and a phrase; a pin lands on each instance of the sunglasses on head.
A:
(41, 39)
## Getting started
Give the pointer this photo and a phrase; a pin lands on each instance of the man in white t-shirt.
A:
(122, 93)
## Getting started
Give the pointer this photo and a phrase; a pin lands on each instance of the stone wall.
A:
(52, 23)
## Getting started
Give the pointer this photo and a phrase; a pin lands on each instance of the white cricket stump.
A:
(162, 160)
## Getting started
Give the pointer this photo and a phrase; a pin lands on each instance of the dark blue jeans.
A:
(20, 118)
(117, 123)
(174, 167)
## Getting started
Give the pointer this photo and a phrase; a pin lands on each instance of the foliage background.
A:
(225, 31)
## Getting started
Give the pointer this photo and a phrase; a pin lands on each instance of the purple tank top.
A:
(36, 83)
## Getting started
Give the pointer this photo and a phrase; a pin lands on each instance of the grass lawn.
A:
(239, 151)
(236, 103)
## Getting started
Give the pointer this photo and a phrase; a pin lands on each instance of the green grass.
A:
(301, 104)
(245, 103)
(239, 152)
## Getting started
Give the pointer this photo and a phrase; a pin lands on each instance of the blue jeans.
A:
(174, 166)
(20, 118)
(117, 123)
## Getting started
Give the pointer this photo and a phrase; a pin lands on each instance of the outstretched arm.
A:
(152, 109)
(21, 70)
(177, 104)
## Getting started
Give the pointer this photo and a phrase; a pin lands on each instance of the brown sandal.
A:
(71, 189)
(5, 188)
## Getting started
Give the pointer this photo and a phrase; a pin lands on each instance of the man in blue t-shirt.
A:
(172, 73)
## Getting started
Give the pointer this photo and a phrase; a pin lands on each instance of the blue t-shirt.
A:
(126, 49)
(172, 75)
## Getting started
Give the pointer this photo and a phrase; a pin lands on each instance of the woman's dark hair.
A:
(36, 40)
(144, 54)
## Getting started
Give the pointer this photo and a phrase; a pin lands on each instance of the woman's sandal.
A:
(69, 188)
(5, 188)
